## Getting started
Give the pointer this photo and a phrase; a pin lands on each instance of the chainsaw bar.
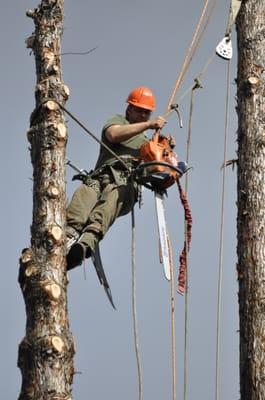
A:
(163, 234)
(96, 259)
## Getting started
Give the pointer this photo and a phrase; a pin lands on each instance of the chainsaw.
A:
(159, 166)
(159, 169)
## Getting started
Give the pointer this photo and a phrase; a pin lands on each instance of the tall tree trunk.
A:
(251, 197)
(45, 355)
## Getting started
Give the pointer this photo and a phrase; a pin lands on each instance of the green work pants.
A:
(96, 205)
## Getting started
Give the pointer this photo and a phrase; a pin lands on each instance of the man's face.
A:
(137, 114)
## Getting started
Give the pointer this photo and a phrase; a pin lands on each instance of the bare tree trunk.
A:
(251, 197)
(46, 353)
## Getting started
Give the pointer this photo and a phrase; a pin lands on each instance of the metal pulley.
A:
(224, 48)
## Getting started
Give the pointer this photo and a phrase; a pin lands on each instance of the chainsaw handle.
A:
(156, 135)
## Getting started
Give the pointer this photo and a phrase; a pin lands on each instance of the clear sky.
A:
(138, 43)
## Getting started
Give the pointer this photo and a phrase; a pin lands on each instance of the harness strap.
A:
(187, 241)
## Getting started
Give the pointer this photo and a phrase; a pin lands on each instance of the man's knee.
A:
(83, 200)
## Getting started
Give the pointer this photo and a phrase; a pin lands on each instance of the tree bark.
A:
(251, 197)
(45, 355)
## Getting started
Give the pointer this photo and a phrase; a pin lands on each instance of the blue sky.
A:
(138, 43)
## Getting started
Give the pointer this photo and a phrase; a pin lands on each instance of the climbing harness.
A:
(224, 49)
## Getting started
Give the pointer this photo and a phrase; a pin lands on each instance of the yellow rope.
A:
(197, 36)
(189, 52)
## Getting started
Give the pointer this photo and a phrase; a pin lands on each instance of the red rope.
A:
(183, 256)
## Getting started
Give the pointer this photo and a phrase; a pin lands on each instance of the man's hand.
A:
(171, 141)
(156, 123)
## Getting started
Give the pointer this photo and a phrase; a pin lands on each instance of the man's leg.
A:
(114, 202)
(77, 213)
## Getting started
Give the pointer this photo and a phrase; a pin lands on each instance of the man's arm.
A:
(120, 133)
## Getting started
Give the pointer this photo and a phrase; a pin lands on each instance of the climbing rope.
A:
(173, 330)
(93, 136)
(186, 312)
(189, 53)
(134, 311)
(196, 39)
(221, 244)
(198, 78)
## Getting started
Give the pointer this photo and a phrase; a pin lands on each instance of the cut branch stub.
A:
(57, 344)
(61, 129)
(30, 270)
(53, 191)
(252, 85)
(31, 14)
(26, 256)
(51, 105)
(56, 233)
(49, 58)
(53, 290)
(30, 134)
(27, 267)
(66, 91)
(30, 42)
(55, 68)
(253, 80)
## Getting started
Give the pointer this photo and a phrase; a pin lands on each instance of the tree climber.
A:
(107, 193)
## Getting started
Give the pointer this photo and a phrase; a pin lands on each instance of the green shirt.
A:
(129, 147)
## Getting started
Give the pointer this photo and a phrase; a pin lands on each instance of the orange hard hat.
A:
(142, 97)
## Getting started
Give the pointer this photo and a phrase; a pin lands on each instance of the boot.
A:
(81, 249)
(76, 255)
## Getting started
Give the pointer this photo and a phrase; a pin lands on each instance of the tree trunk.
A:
(45, 355)
(251, 197)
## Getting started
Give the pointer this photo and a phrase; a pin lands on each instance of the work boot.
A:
(81, 249)
(76, 255)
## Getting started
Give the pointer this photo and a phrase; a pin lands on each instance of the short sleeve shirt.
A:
(129, 147)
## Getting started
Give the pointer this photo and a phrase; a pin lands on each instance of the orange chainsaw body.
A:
(158, 150)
